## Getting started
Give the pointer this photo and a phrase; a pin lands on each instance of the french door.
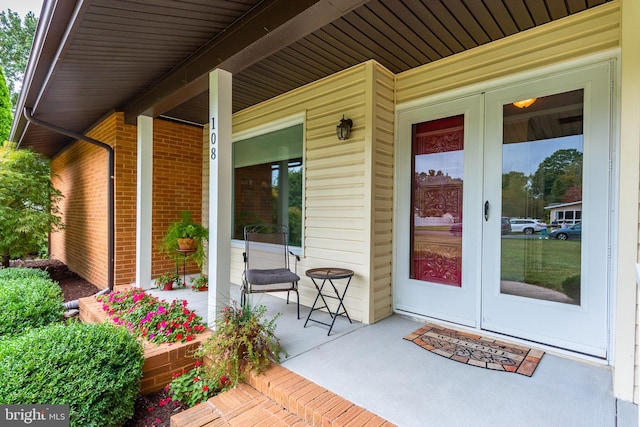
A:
(439, 175)
(468, 168)
(550, 286)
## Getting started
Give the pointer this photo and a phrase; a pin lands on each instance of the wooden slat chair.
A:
(266, 262)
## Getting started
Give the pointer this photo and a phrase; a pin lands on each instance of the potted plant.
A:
(200, 283)
(166, 280)
(243, 341)
(184, 238)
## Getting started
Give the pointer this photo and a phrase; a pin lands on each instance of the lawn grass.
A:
(540, 262)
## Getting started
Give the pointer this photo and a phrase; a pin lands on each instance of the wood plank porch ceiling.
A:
(153, 55)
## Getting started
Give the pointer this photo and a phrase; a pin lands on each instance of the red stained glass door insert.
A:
(437, 153)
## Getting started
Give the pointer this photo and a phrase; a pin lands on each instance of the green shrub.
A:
(22, 273)
(94, 368)
(28, 300)
(243, 341)
(571, 287)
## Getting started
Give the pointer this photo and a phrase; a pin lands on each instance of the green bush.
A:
(571, 287)
(22, 273)
(28, 300)
(94, 368)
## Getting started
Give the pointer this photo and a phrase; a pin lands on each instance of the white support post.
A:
(220, 197)
(144, 198)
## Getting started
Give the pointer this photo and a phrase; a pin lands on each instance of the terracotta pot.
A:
(168, 286)
(202, 289)
(186, 244)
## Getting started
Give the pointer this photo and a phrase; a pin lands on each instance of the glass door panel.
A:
(547, 170)
(436, 203)
(542, 152)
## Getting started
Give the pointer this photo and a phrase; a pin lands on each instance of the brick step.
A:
(241, 406)
(277, 397)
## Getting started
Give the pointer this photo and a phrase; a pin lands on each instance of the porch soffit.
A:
(152, 56)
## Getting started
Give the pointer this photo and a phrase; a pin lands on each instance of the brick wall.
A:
(177, 184)
(126, 170)
(80, 172)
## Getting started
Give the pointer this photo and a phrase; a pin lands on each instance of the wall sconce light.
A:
(343, 130)
(525, 102)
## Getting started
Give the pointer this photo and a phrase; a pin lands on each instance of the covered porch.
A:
(375, 368)
(210, 80)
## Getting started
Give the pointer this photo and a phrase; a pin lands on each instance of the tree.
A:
(515, 194)
(28, 202)
(16, 38)
(556, 174)
(5, 109)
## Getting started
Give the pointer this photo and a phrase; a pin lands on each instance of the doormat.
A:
(476, 350)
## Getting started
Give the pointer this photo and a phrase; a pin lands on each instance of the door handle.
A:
(486, 210)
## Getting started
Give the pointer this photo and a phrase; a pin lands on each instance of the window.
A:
(268, 181)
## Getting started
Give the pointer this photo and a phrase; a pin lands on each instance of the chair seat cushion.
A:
(272, 276)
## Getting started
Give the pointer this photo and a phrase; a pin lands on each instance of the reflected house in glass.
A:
(570, 213)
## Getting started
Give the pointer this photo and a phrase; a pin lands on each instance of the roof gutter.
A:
(110, 185)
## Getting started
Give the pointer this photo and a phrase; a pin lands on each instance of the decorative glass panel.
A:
(436, 205)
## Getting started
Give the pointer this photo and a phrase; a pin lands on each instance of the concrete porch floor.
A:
(375, 368)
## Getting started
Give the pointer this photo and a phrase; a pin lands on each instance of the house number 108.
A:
(214, 138)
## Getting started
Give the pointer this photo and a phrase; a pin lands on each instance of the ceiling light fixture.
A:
(525, 102)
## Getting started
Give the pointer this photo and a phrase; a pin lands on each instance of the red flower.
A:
(189, 337)
(179, 336)
(198, 363)
(205, 388)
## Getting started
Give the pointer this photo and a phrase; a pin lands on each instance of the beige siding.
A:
(382, 103)
(626, 380)
(577, 35)
(348, 184)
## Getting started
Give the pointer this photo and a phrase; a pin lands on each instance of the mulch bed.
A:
(151, 410)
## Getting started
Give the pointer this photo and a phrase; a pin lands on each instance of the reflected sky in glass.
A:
(525, 157)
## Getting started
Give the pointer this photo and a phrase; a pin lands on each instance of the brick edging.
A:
(161, 360)
(314, 404)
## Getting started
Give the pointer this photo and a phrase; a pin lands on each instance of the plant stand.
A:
(185, 254)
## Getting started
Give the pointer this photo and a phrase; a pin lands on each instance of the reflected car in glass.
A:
(505, 225)
(573, 232)
(525, 225)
